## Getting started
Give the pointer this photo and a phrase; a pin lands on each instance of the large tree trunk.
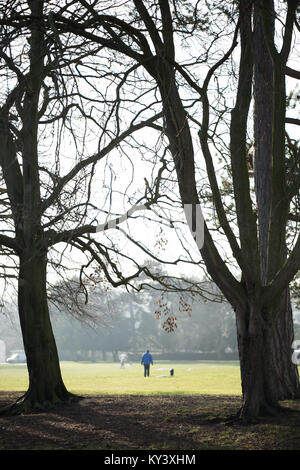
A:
(286, 373)
(46, 387)
(287, 377)
(257, 376)
(267, 372)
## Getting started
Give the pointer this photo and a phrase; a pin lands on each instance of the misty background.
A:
(99, 323)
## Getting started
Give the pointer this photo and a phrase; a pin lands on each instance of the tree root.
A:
(27, 404)
(245, 417)
(241, 419)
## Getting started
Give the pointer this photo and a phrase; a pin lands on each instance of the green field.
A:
(198, 377)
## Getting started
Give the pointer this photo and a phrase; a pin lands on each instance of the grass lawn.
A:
(122, 410)
(198, 377)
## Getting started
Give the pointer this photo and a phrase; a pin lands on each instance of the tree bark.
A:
(257, 375)
(263, 122)
(267, 372)
(46, 387)
(286, 373)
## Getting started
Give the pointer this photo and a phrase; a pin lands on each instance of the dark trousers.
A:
(146, 370)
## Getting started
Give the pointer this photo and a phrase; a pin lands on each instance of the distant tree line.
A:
(137, 322)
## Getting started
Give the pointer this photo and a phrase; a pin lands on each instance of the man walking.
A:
(147, 360)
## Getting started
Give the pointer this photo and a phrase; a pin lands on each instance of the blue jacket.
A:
(147, 359)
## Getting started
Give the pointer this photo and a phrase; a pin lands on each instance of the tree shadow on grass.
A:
(138, 423)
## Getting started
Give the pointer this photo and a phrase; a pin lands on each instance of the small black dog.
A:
(172, 372)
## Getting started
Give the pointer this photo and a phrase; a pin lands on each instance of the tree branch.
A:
(167, 32)
(146, 18)
(9, 242)
(292, 73)
(238, 136)
(95, 158)
(284, 276)
(292, 121)
(288, 33)
(66, 25)
(95, 256)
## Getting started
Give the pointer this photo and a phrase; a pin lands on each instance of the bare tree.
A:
(50, 107)
(150, 34)
(156, 45)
